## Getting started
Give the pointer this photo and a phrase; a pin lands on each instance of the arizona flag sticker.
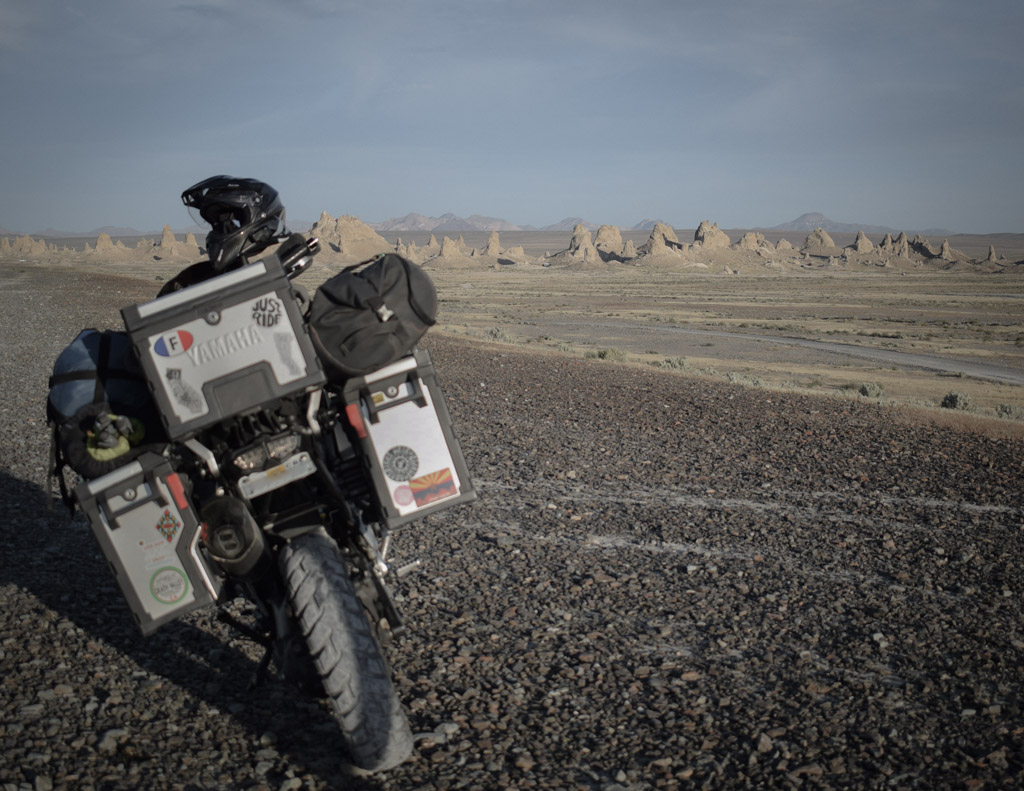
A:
(433, 487)
(173, 343)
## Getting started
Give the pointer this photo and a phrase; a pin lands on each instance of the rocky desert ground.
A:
(671, 579)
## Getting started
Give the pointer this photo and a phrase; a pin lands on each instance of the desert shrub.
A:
(675, 363)
(957, 400)
(498, 334)
(871, 390)
(1010, 412)
(608, 354)
(564, 347)
(744, 379)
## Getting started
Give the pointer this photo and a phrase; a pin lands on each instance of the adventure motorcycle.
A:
(277, 471)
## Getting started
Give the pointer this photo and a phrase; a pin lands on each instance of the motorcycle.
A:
(279, 483)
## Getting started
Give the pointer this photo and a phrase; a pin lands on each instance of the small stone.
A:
(108, 742)
(525, 762)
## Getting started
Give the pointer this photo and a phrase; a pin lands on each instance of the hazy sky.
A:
(908, 114)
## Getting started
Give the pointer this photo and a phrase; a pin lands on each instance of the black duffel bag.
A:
(362, 320)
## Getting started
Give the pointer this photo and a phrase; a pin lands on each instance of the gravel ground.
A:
(666, 583)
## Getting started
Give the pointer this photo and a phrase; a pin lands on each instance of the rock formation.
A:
(104, 244)
(818, 238)
(25, 246)
(452, 256)
(609, 240)
(992, 257)
(662, 241)
(581, 248)
(920, 245)
(783, 245)
(168, 246)
(450, 248)
(349, 236)
(629, 249)
(708, 236)
(752, 240)
(862, 244)
(493, 248)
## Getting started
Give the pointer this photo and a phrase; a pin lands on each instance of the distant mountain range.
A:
(446, 222)
(814, 220)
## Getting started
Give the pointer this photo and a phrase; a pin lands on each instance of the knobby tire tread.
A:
(347, 657)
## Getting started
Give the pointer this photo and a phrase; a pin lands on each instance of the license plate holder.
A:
(294, 468)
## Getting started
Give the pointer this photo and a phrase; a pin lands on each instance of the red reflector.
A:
(355, 419)
(177, 491)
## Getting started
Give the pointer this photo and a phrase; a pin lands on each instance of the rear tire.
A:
(347, 657)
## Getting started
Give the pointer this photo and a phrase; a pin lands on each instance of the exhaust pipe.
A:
(232, 536)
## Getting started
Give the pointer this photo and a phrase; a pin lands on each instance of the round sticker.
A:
(400, 463)
(403, 495)
(168, 585)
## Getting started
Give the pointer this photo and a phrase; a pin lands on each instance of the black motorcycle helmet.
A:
(247, 217)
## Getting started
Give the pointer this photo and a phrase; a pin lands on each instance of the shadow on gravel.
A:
(57, 560)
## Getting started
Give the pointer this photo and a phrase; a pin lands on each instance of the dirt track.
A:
(641, 336)
(666, 583)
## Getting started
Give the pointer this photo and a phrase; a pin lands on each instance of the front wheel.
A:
(347, 657)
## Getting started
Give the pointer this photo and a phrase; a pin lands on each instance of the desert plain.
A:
(940, 322)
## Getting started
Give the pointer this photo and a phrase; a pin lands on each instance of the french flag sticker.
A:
(173, 343)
